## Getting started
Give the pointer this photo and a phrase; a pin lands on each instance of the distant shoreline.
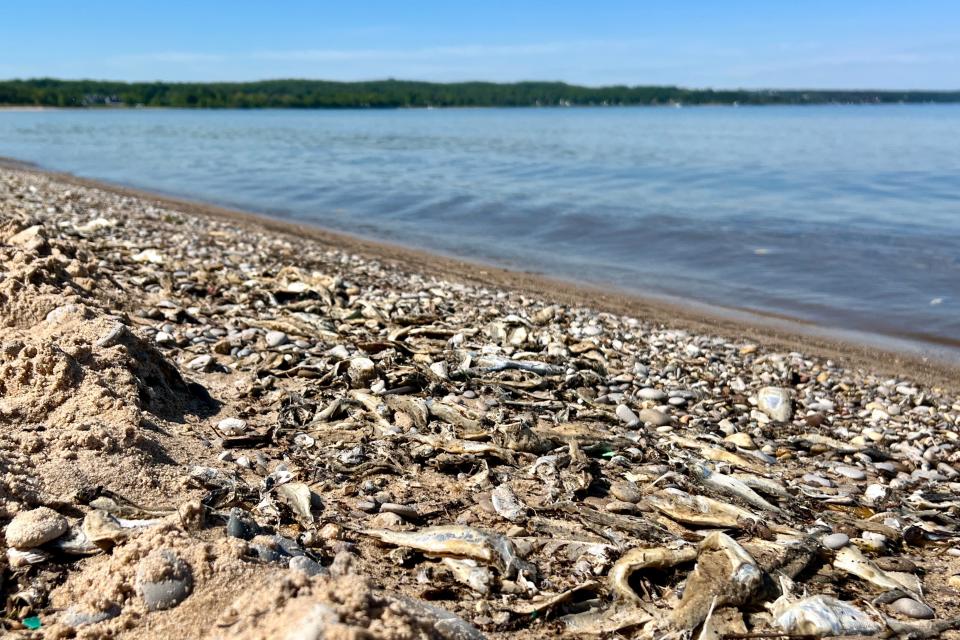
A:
(395, 94)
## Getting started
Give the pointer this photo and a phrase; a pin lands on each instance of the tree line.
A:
(318, 94)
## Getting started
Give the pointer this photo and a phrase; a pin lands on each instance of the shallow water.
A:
(847, 216)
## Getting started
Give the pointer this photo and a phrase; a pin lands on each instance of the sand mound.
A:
(78, 388)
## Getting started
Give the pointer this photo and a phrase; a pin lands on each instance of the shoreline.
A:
(879, 353)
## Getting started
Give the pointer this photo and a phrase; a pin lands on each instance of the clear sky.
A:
(704, 43)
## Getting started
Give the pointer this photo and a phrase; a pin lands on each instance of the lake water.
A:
(846, 216)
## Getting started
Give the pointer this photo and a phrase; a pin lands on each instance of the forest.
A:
(321, 94)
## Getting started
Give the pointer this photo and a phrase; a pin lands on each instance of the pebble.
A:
(305, 565)
(851, 472)
(200, 363)
(361, 371)
(654, 417)
(32, 528)
(76, 618)
(625, 491)
(895, 563)
(163, 337)
(403, 510)
(163, 579)
(276, 338)
(835, 541)
(875, 493)
(619, 506)
(742, 440)
(913, 609)
(776, 403)
(241, 525)
(626, 414)
(648, 393)
(812, 478)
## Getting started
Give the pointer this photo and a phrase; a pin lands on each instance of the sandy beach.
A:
(222, 425)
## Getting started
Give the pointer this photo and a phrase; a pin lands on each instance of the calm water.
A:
(842, 215)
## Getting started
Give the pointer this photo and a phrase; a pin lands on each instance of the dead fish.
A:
(605, 622)
(730, 486)
(455, 415)
(471, 574)
(821, 616)
(106, 530)
(699, 510)
(416, 408)
(74, 543)
(507, 504)
(490, 364)
(458, 542)
(766, 485)
(456, 445)
(645, 558)
(545, 604)
(851, 560)
(725, 575)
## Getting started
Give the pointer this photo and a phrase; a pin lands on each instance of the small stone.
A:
(241, 525)
(619, 506)
(388, 520)
(851, 472)
(305, 565)
(232, 426)
(812, 478)
(361, 371)
(835, 541)
(896, 563)
(625, 491)
(76, 617)
(32, 528)
(742, 440)
(163, 337)
(654, 417)
(776, 403)
(163, 579)
(649, 393)
(200, 363)
(913, 609)
(626, 414)
(403, 510)
(276, 338)
(876, 493)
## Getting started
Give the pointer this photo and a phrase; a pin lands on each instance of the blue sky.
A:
(707, 43)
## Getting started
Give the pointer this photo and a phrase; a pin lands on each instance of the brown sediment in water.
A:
(410, 446)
